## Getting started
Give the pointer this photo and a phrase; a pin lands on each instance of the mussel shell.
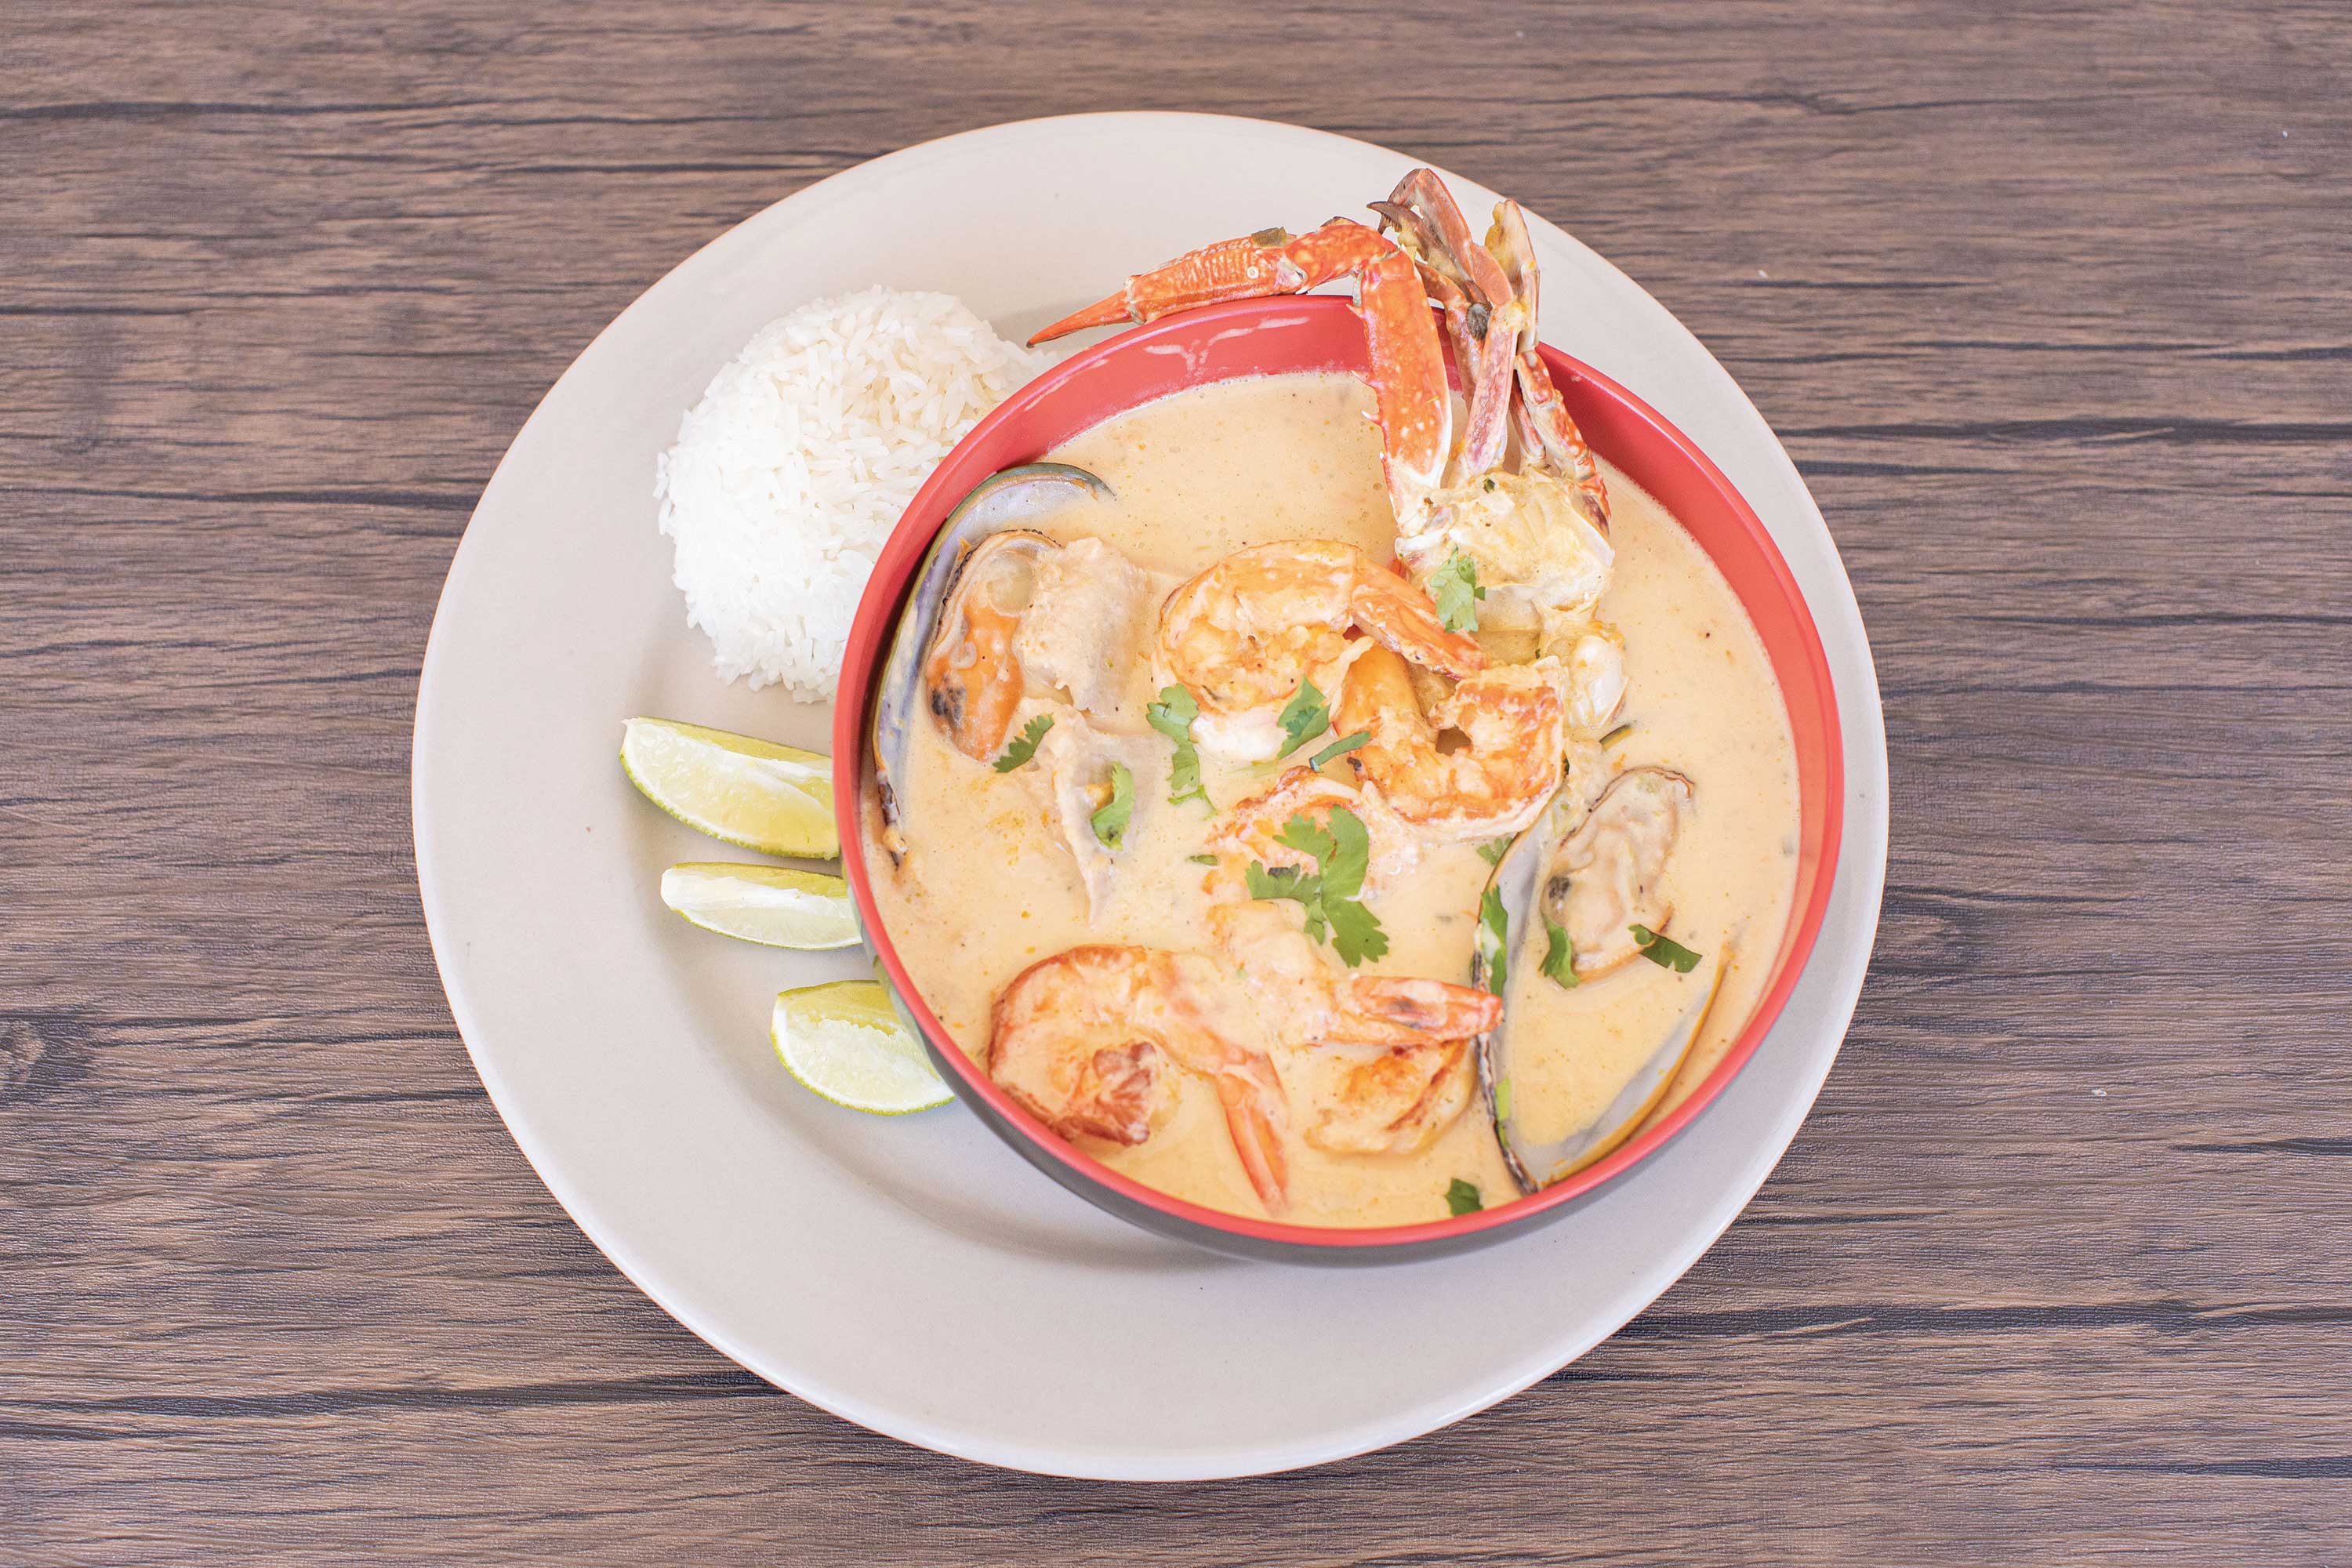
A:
(1517, 883)
(1017, 499)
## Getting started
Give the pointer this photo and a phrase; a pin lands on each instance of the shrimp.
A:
(1384, 1061)
(1249, 829)
(1393, 1101)
(1512, 717)
(1304, 1001)
(1387, 1061)
(1243, 635)
(1303, 998)
(1082, 1039)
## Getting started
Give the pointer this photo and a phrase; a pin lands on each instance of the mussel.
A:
(1595, 874)
(975, 569)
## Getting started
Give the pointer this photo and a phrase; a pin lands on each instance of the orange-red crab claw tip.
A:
(1101, 313)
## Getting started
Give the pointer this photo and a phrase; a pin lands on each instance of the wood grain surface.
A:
(2051, 305)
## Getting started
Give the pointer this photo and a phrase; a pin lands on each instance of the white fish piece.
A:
(1077, 760)
(1087, 630)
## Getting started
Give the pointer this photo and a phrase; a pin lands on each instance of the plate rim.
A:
(1866, 840)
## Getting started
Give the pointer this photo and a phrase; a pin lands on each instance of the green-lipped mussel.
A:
(969, 589)
(1567, 899)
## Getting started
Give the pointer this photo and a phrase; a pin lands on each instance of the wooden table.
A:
(2052, 312)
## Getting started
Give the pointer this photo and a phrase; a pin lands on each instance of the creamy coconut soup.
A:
(1291, 885)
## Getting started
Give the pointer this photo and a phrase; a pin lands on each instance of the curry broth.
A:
(988, 888)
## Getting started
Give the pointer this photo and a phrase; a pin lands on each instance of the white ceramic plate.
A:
(914, 1275)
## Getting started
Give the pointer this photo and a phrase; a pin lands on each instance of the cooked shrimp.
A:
(1393, 1101)
(1081, 1038)
(1249, 829)
(1511, 717)
(1387, 1064)
(1243, 635)
(1304, 1001)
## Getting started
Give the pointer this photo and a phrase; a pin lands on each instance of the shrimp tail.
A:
(1381, 1010)
(1254, 1116)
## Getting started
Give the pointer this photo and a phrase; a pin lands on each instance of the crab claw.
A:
(1246, 268)
(1482, 308)
(1407, 362)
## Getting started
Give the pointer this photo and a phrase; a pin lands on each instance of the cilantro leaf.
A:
(1663, 951)
(1356, 933)
(1201, 860)
(1306, 716)
(1301, 834)
(1024, 745)
(1350, 857)
(1492, 851)
(1110, 820)
(1455, 587)
(1172, 716)
(1560, 955)
(1493, 940)
(1281, 882)
(1462, 1198)
(1342, 853)
(1342, 747)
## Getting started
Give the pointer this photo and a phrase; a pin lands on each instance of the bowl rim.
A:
(877, 615)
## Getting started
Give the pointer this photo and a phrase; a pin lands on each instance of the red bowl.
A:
(1270, 337)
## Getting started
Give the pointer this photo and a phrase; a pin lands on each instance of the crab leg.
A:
(1432, 229)
(1407, 360)
(1246, 268)
(1514, 253)
(1546, 434)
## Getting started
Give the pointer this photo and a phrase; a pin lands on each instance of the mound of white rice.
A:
(792, 469)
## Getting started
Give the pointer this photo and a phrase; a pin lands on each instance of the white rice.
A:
(794, 467)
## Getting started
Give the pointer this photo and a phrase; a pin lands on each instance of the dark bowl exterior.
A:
(1288, 336)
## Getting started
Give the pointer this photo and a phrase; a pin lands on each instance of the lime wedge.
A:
(757, 793)
(773, 905)
(845, 1042)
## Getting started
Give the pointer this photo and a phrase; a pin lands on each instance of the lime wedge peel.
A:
(774, 905)
(845, 1042)
(776, 799)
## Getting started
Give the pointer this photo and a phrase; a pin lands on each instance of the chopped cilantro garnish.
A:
(1024, 745)
(1494, 940)
(1110, 820)
(1342, 853)
(1462, 1198)
(1559, 954)
(1456, 589)
(1201, 860)
(1663, 951)
(1342, 747)
(1356, 933)
(1172, 716)
(1306, 716)
(1273, 882)
(1492, 851)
